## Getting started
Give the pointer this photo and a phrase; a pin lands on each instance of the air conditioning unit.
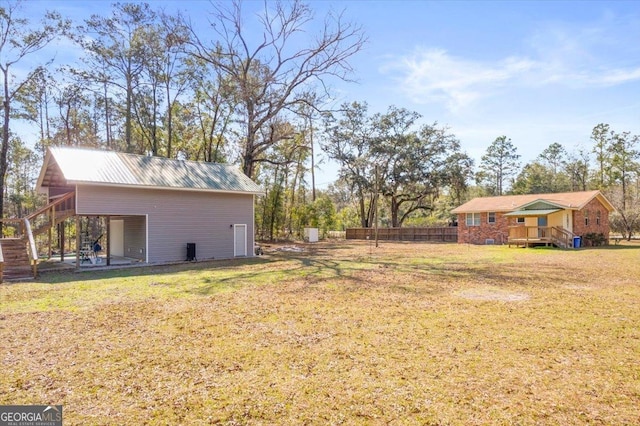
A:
(489, 241)
(191, 252)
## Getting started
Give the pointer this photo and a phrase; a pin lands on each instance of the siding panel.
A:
(176, 218)
(135, 231)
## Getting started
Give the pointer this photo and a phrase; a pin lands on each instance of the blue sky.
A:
(537, 72)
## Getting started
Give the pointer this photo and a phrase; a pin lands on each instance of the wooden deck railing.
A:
(528, 232)
(32, 249)
(541, 234)
(46, 217)
(562, 237)
(36, 223)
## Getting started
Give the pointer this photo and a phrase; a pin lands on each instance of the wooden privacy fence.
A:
(448, 234)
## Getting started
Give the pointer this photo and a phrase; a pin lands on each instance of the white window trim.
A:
(475, 219)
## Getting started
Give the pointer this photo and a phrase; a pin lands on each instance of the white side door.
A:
(116, 229)
(240, 240)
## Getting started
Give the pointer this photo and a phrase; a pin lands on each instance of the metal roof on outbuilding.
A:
(69, 166)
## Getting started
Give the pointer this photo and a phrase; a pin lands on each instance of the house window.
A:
(520, 220)
(598, 217)
(491, 217)
(586, 218)
(473, 219)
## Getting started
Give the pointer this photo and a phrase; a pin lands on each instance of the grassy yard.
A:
(342, 333)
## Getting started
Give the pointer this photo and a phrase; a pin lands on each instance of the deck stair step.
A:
(17, 264)
(15, 251)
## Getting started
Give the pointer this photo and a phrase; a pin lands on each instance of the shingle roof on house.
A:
(69, 166)
(507, 203)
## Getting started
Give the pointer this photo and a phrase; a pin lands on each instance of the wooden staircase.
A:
(18, 255)
(561, 237)
(44, 219)
(17, 264)
(58, 217)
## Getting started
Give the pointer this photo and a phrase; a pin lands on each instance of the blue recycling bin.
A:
(576, 242)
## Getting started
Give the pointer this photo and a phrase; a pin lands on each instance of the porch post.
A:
(77, 242)
(61, 235)
(108, 240)
(52, 220)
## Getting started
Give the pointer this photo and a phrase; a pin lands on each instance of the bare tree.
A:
(214, 102)
(274, 74)
(177, 72)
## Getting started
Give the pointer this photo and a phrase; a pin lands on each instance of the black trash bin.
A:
(191, 252)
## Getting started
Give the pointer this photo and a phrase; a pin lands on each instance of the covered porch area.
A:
(89, 242)
(55, 263)
(530, 236)
(540, 227)
(59, 234)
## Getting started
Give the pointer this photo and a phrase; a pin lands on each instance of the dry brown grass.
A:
(342, 333)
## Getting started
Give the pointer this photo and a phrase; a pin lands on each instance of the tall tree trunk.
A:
(248, 155)
(5, 141)
(624, 190)
(67, 126)
(363, 216)
(274, 207)
(395, 206)
(41, 112)
(107, 119)
(127, 117)
(46, 117)
(371, 212)
(154, 124)
(169, 122)
(313, 165)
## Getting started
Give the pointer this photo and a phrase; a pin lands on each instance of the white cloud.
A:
(435, 76)
(615, 77)
(556, 55)
(432, 75)
(600, 54)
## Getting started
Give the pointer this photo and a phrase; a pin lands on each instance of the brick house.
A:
(532, 219)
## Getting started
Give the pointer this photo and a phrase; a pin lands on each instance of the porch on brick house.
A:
(529, 236)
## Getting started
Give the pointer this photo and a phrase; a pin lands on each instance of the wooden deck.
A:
(530, 242)
(531, 236)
